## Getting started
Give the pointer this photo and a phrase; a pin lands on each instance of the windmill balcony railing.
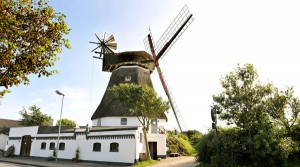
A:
(161, 131)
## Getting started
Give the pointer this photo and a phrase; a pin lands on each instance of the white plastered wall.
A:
(127, 147)
(19, 132)
(3, 141)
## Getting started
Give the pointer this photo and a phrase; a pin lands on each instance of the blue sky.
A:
(223, 34)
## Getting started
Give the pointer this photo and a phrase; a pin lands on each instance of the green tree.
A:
(284, 108)
(143, 102)
(31, 36)
(194, 137)
(35, 117)
(243, 104)
(243, 97)
(66, 122)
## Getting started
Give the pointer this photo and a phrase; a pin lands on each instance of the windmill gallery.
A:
(114, 136)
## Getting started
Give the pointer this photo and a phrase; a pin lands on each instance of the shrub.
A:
(173, 148)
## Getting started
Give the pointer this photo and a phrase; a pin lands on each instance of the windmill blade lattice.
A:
(184, 19)
(105, 45)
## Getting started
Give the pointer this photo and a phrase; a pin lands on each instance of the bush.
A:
(234, 147)
(186, 146)
(173, 148)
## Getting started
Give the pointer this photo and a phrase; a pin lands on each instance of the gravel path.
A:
(183, 161)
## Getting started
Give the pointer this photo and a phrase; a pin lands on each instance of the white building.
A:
(115, 144)
(115, 135)
(5, 125)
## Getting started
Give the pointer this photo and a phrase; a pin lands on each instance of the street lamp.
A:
(62, 103)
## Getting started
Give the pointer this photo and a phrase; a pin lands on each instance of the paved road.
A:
(5, 164)
(183, 161)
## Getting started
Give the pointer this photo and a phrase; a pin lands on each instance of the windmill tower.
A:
(136, 66)
(166, 41)
(126, 67)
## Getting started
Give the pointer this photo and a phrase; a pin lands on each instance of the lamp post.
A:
(62, 103)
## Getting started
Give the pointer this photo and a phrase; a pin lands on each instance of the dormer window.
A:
(127, 78)
(123, 121)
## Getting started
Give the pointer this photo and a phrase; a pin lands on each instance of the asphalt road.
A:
(5, 164)
(183, 161)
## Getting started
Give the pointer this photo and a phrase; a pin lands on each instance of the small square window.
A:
(97, 147)
(43, 146)
(52, 146)
(61, 146)
(114, 147)
(123, 121)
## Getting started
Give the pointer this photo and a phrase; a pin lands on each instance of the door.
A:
(153, 150)
(25, 146)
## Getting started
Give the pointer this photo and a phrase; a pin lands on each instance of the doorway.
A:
(25, 146)
(153, 150)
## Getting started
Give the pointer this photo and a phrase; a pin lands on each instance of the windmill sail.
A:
(167, 40)
(174, 106)
(173, 32)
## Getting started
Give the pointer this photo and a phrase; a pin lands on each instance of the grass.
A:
(144, 163)
(189, 150)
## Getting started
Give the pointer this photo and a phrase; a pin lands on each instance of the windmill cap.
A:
(112, 61)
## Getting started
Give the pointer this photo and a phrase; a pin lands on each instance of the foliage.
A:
(173, 148)
(53, 156)
(77, 152)
(263, 123)
(179, 144)
(284, 108)
(50, 158)
(191, 133)
(54, 152)
(35, 117)
(66, 122)
(141, 101)
(185, 146)
(194, 137)
(144, 163)
(32, 34)
(287, 147)
(181, 135)
(242, 99)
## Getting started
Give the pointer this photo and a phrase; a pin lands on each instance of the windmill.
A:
(136, 66)
(166, 41)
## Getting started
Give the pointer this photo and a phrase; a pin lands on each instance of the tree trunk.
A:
(148, 156)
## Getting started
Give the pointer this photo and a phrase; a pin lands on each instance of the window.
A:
(154, 126)
(43, 146)
(141, 137)
(52, 146)
(123, 121)
(128, 78)
(114, 147)
(99, 122)
(97, 147)
(61, 146)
